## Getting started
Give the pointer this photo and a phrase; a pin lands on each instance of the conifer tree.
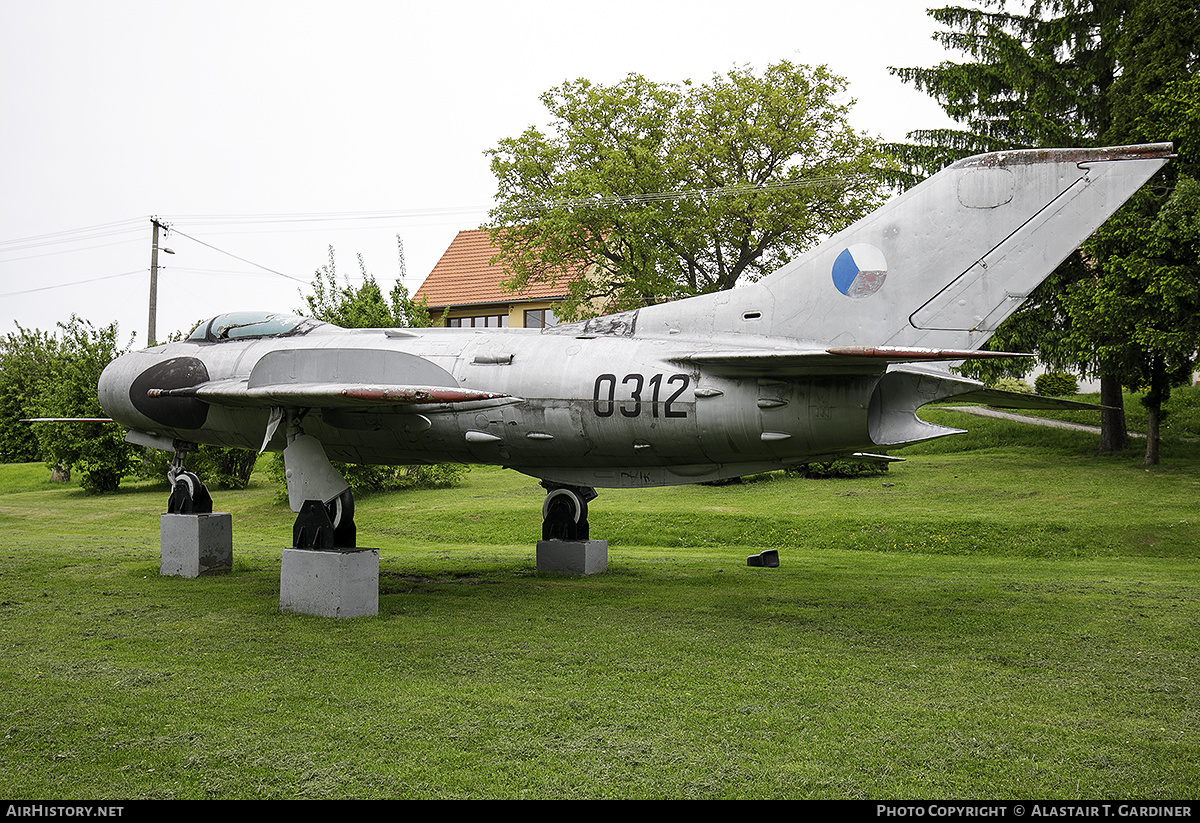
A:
(1063, 73)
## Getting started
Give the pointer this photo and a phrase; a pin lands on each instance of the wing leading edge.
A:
(238, 393)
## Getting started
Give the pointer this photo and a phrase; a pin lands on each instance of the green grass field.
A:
(1005, 615)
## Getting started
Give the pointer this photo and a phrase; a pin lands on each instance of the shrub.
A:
(838, 468)
(72, 365)
(216, 466)
(1011, 384)
(1056, 384)
(366, 479)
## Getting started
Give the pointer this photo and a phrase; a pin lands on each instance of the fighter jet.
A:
(828, 357)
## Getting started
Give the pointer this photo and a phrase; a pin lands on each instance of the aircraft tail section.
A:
(940, 266)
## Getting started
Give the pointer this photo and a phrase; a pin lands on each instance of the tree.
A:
(664, 191)
(1036, 79)
(1144, 304)
(97, 450)
(1084, 73)
(25, 358)
(364, 307)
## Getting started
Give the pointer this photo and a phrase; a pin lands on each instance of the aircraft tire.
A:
(564, 515)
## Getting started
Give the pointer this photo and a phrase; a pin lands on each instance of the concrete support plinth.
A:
(325, 583)
(192, 545)
(572, 556)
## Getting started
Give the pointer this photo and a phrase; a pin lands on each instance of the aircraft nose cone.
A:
(125, 384)
(112, 390)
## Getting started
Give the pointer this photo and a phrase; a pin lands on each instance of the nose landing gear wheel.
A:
(189, 495)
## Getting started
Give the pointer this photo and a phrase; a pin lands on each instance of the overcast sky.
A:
(272, 130)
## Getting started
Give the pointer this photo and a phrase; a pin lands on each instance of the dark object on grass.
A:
(768, 559)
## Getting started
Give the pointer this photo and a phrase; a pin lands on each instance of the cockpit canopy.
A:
(248, 325)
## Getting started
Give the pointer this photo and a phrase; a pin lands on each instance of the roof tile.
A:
(464, 276)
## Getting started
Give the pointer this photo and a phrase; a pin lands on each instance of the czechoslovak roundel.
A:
(860, 270)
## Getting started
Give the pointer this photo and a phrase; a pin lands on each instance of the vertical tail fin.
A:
(944, 263)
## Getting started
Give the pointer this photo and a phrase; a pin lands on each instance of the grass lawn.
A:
(1005, 615)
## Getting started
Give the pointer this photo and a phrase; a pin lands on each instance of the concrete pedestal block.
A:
(337, 583)
(195, 544)
(572, 556)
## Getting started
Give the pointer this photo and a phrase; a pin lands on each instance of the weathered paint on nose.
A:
(126, 382)
(175, 373)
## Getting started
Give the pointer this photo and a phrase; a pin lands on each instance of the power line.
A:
(120, 227)
(230, 272)
(592, 200)
(71, 235)
(66, 251)
(599, 200)
(236, 257)
(325, 217)
(142, 271)
(75, 283)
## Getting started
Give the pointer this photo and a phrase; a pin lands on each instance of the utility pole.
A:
(150, 330)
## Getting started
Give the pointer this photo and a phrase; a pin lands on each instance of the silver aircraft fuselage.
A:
(828, 357)
(579, 409)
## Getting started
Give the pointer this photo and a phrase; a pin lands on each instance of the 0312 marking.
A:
(634, 390)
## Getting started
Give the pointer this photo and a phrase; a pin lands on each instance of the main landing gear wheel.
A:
(564, 512)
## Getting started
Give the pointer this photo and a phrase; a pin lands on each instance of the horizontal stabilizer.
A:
(913, 354)
(867, 457)
(1020, 400)
(837, 360)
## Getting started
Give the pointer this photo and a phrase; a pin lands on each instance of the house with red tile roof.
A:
(464, 287)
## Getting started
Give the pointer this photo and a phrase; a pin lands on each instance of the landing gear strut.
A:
(317, 492)
(566, 547)
(188, 494)
(193, 540)
(324, 573)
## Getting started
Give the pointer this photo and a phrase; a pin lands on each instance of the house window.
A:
(490, 321)
(540, 319)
